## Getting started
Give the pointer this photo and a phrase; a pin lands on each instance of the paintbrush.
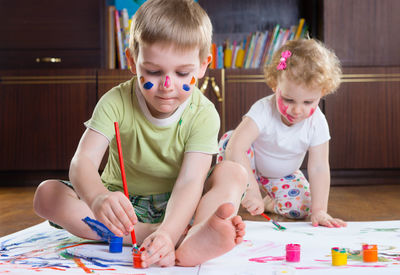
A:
(121, 164)
(280, 227)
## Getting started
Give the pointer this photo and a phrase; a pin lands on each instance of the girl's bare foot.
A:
(269, 204)
(216, 236)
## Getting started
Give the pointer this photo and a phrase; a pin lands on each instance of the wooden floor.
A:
(351, 203)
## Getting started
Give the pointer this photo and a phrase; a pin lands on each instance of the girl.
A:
(281, 128)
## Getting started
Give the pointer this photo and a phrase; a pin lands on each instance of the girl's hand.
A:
(115, 211)
(158, 249)
(323, 218)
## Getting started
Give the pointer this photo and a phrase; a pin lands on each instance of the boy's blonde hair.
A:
(311, 64)
(182, 23)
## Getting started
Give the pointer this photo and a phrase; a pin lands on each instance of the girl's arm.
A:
(319, 178)
(242, 138)
(113, 209)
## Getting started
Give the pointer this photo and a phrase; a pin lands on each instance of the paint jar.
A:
(115, 244)
(370, 253)
(293, 253)
(339, 256)
(137, 261)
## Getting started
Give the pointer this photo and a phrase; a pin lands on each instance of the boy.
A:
(169, 133)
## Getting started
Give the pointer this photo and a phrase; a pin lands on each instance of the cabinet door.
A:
(71, 32)
(364, 116)
(363, 32)
(42, 115)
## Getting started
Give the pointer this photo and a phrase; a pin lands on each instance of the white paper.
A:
(52, 251)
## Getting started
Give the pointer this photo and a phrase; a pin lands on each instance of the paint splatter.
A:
(283, 108)
(267, 259)
(312, 111)
(186, 87)
(167, 82)
(148, 85)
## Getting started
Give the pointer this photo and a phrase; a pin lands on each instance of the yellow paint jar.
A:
(339, 256)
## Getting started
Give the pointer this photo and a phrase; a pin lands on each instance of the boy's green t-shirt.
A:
(153, 149)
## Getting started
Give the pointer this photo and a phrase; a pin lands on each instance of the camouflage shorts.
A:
(148, 209)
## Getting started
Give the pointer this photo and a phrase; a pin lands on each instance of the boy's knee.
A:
(233, 173)
(43, 195)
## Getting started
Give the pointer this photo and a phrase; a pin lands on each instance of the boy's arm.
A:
(186, 194)
(86, 180)
(181, 206)
(238, 145)
(319, 178)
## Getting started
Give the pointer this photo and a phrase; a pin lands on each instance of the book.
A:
(110, 38)
(299, 28)
(272, 44)
(251, 50)
(119, 42)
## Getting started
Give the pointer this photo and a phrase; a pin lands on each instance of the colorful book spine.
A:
(119, 42)
(299, 28)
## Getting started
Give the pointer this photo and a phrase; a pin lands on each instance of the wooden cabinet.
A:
(362, 32)
(234, 92)
(42, 115)
(51, 34)
(364, 119)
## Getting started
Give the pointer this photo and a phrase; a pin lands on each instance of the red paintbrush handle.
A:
(265, 216)
(121, 159)
(121, 164)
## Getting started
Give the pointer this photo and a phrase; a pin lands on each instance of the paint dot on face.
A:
(142, 79)
(193, 80)
(186, 87)
(148, 85)
(167, 82)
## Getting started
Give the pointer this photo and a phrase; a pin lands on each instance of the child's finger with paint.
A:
(157, 247)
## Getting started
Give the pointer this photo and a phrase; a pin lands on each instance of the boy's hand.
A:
(159, 249)
(323, 218)
(253, 201)
(115, 211)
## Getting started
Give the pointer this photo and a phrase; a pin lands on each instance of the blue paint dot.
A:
(225, 144)
(294, 192)
(148, 85)
(186, 87)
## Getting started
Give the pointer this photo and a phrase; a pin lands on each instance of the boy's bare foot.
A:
(216, 236)
(269, 204)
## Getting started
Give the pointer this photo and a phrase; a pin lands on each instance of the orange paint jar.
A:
(370, 253)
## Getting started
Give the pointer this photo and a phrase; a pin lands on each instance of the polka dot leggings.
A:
(290, 194)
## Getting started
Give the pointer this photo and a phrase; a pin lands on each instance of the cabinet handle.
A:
(48, 59)
(216, 89)
(204, 86)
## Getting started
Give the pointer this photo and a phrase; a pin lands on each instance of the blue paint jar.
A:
(115, 244)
